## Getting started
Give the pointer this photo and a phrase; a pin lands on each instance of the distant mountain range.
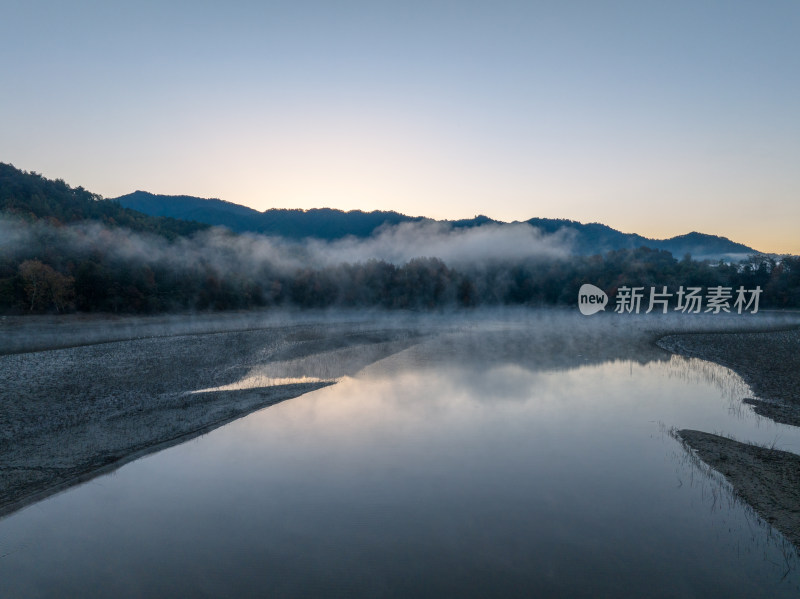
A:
(31, 196)
(329, 224)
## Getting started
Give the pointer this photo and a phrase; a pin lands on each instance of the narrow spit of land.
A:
(69, 414)
(766, 478)
(769, 362)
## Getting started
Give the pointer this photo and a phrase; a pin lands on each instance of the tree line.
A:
(64, 249)
(47, 280)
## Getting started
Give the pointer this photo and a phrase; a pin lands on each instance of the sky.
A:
(654, 117)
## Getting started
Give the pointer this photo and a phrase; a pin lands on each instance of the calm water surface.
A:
(427, 475)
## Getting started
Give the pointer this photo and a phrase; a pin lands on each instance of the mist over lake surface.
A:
(400, 300)
(466, 465)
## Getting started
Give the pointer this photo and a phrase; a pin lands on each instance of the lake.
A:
(461, 466)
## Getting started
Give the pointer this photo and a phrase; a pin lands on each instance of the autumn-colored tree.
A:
(45, 287)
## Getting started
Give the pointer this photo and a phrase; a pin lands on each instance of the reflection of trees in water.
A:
(556, 343)
(718, 495)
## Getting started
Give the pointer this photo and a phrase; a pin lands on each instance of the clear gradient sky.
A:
(655, 117)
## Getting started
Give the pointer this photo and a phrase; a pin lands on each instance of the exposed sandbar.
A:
(69, 414)
(767, 479)
(769, 362)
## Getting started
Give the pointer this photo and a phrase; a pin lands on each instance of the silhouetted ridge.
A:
(596, 238)
(322, 223)
(66, 249)
(329, 224)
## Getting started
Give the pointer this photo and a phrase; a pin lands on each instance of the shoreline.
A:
(766, 478)
(60, 427)
(103, 465)
(70, 414)
(768, 361)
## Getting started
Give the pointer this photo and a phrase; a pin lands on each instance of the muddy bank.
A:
(769, 362)
(767, 479)
(69, 414)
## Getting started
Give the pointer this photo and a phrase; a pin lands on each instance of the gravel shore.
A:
(69, 414)
(80, 395)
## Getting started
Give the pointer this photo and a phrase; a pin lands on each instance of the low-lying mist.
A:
(224, 251)
(89, 266)
(457, 247)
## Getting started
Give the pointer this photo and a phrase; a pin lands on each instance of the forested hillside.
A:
(66, 249)
(31, 197)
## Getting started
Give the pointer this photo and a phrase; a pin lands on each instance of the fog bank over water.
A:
(456, 246)
(559, 332)
(224, 251)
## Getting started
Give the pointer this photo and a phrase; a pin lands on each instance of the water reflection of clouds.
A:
(258, 381)
(317, 367)
(427, 459)
(684, 392)
(475, 370)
